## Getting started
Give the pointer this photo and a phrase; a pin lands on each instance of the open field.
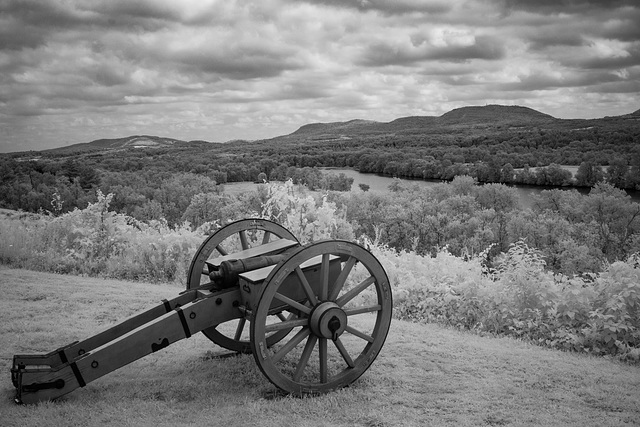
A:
(425, 375)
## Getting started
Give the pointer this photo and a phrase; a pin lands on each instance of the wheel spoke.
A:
(345, 354)
(359, 334)
(293, 342)
(238, 235)
(306, 286)
(342, 278)
(324, 274)
(221, 250)
(321, 349)
(364, 309)
(286, 325)
(355, 291)
(239, 329)
(243, 240)
(304, 359)
(292, 303)
(323, 360)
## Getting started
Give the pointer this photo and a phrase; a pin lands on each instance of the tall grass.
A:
(98, 242)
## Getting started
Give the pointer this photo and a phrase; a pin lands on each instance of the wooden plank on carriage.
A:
(268, 248)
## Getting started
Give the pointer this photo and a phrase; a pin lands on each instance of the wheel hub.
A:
(328, 320)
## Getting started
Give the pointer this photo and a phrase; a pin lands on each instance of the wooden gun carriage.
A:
(251, 288)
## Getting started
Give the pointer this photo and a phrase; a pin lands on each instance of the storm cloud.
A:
(72, 71)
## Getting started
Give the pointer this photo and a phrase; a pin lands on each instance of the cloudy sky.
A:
(77, 70)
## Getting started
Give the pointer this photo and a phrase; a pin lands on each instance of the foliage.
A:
(308, 218)
(576, 233)
(588, 174)
(501, 150)
(599, 315)
(99, 242)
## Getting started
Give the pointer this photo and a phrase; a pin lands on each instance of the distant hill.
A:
(129, 142)
(486, 116)
(336, 126)
(494, 114)
(414, 122)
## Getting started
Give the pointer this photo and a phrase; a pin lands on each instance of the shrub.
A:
(309, 218)
(98, 242)
(598, 313)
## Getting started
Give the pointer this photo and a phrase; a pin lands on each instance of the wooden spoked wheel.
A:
(233, 238)
(340, 315)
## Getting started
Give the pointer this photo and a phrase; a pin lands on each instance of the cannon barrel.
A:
(226, 274)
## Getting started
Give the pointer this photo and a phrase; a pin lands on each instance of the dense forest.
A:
(493, 144)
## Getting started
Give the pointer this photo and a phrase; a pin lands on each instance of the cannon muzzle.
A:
(226, 275)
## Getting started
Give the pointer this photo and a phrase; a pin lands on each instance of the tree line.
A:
(576, 233)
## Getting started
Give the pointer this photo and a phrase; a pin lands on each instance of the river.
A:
(381, 183)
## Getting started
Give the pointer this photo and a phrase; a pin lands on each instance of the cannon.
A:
(314, 316)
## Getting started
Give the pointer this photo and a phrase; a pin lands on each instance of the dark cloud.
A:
(39, 13)
(625, 27)
(546, 81)
(13, 36)
(569, 30)
(629, 57)
(245, 65)
(217, 56)
(397, 7)
(619, 87)
(27, 23)
(540, 40)
(548, 7)
(107, 75)
(30, 23)
(384, 54)
(116, 11)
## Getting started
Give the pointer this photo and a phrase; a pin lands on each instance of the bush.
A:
(309, 218)
(598, 314)
(98, 242)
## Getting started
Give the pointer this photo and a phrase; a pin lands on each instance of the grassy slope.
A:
(425, 375)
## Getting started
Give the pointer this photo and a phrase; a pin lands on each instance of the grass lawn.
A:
(426, 375)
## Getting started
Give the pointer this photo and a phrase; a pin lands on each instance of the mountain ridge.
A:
(488, 117)
(127, 142)
(471, 117)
